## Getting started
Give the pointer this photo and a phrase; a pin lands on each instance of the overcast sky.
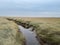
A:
(30, 8)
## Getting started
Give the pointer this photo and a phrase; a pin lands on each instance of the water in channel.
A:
(29, 36)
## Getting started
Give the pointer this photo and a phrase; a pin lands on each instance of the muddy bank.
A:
(25, 24)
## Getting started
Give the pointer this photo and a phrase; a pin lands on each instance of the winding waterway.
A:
(29, 36)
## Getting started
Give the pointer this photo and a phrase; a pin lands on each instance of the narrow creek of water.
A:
(29, 36)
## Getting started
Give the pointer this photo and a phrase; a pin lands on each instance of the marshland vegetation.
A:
(47, 29)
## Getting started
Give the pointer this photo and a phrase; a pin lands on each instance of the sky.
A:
(30, 8)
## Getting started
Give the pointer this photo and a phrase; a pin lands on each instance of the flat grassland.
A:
(38, 20)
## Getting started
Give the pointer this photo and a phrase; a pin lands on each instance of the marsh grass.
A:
(47, 29)
(9, 34)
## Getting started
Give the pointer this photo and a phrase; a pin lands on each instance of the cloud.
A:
(32, 7)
